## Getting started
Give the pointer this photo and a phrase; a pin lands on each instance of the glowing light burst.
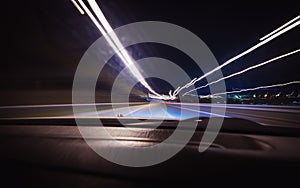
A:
(245, 70)
(116, 45)
(270, 38)
(256, 88)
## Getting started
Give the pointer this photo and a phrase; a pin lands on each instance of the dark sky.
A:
(44, 40)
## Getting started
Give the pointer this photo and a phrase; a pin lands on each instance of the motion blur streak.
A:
(280, 28)
(101, 16)
(239, 56)
(245, 70)
(78, 7)
(107, 29)
(256, 88)
(100, 29)
(162, 97)
(115, 43)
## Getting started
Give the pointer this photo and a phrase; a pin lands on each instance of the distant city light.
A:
(278, 94)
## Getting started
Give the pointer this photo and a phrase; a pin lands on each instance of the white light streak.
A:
(256, 88)
(100, 15)
(280, 28)
(119, 49)
(101, 29)
(245, 70)
(78, 7)
(238, 56)
(162, 97)
(114, 42)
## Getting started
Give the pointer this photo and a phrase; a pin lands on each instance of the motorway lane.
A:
(270, 115)
(160, 110)
(286, 116)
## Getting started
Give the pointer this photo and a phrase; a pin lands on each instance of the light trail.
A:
(129, 62)
(116, 45)
(78, 7)
(162, 97)
(237, 57)
(256, 88)
(108, 29)
(101, 29)
(245, 70)
(280, 28)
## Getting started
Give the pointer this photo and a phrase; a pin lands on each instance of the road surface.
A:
(285, 116)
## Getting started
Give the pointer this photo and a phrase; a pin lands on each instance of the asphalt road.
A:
(285, 116)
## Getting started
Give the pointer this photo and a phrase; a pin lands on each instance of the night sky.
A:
(44, 40)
